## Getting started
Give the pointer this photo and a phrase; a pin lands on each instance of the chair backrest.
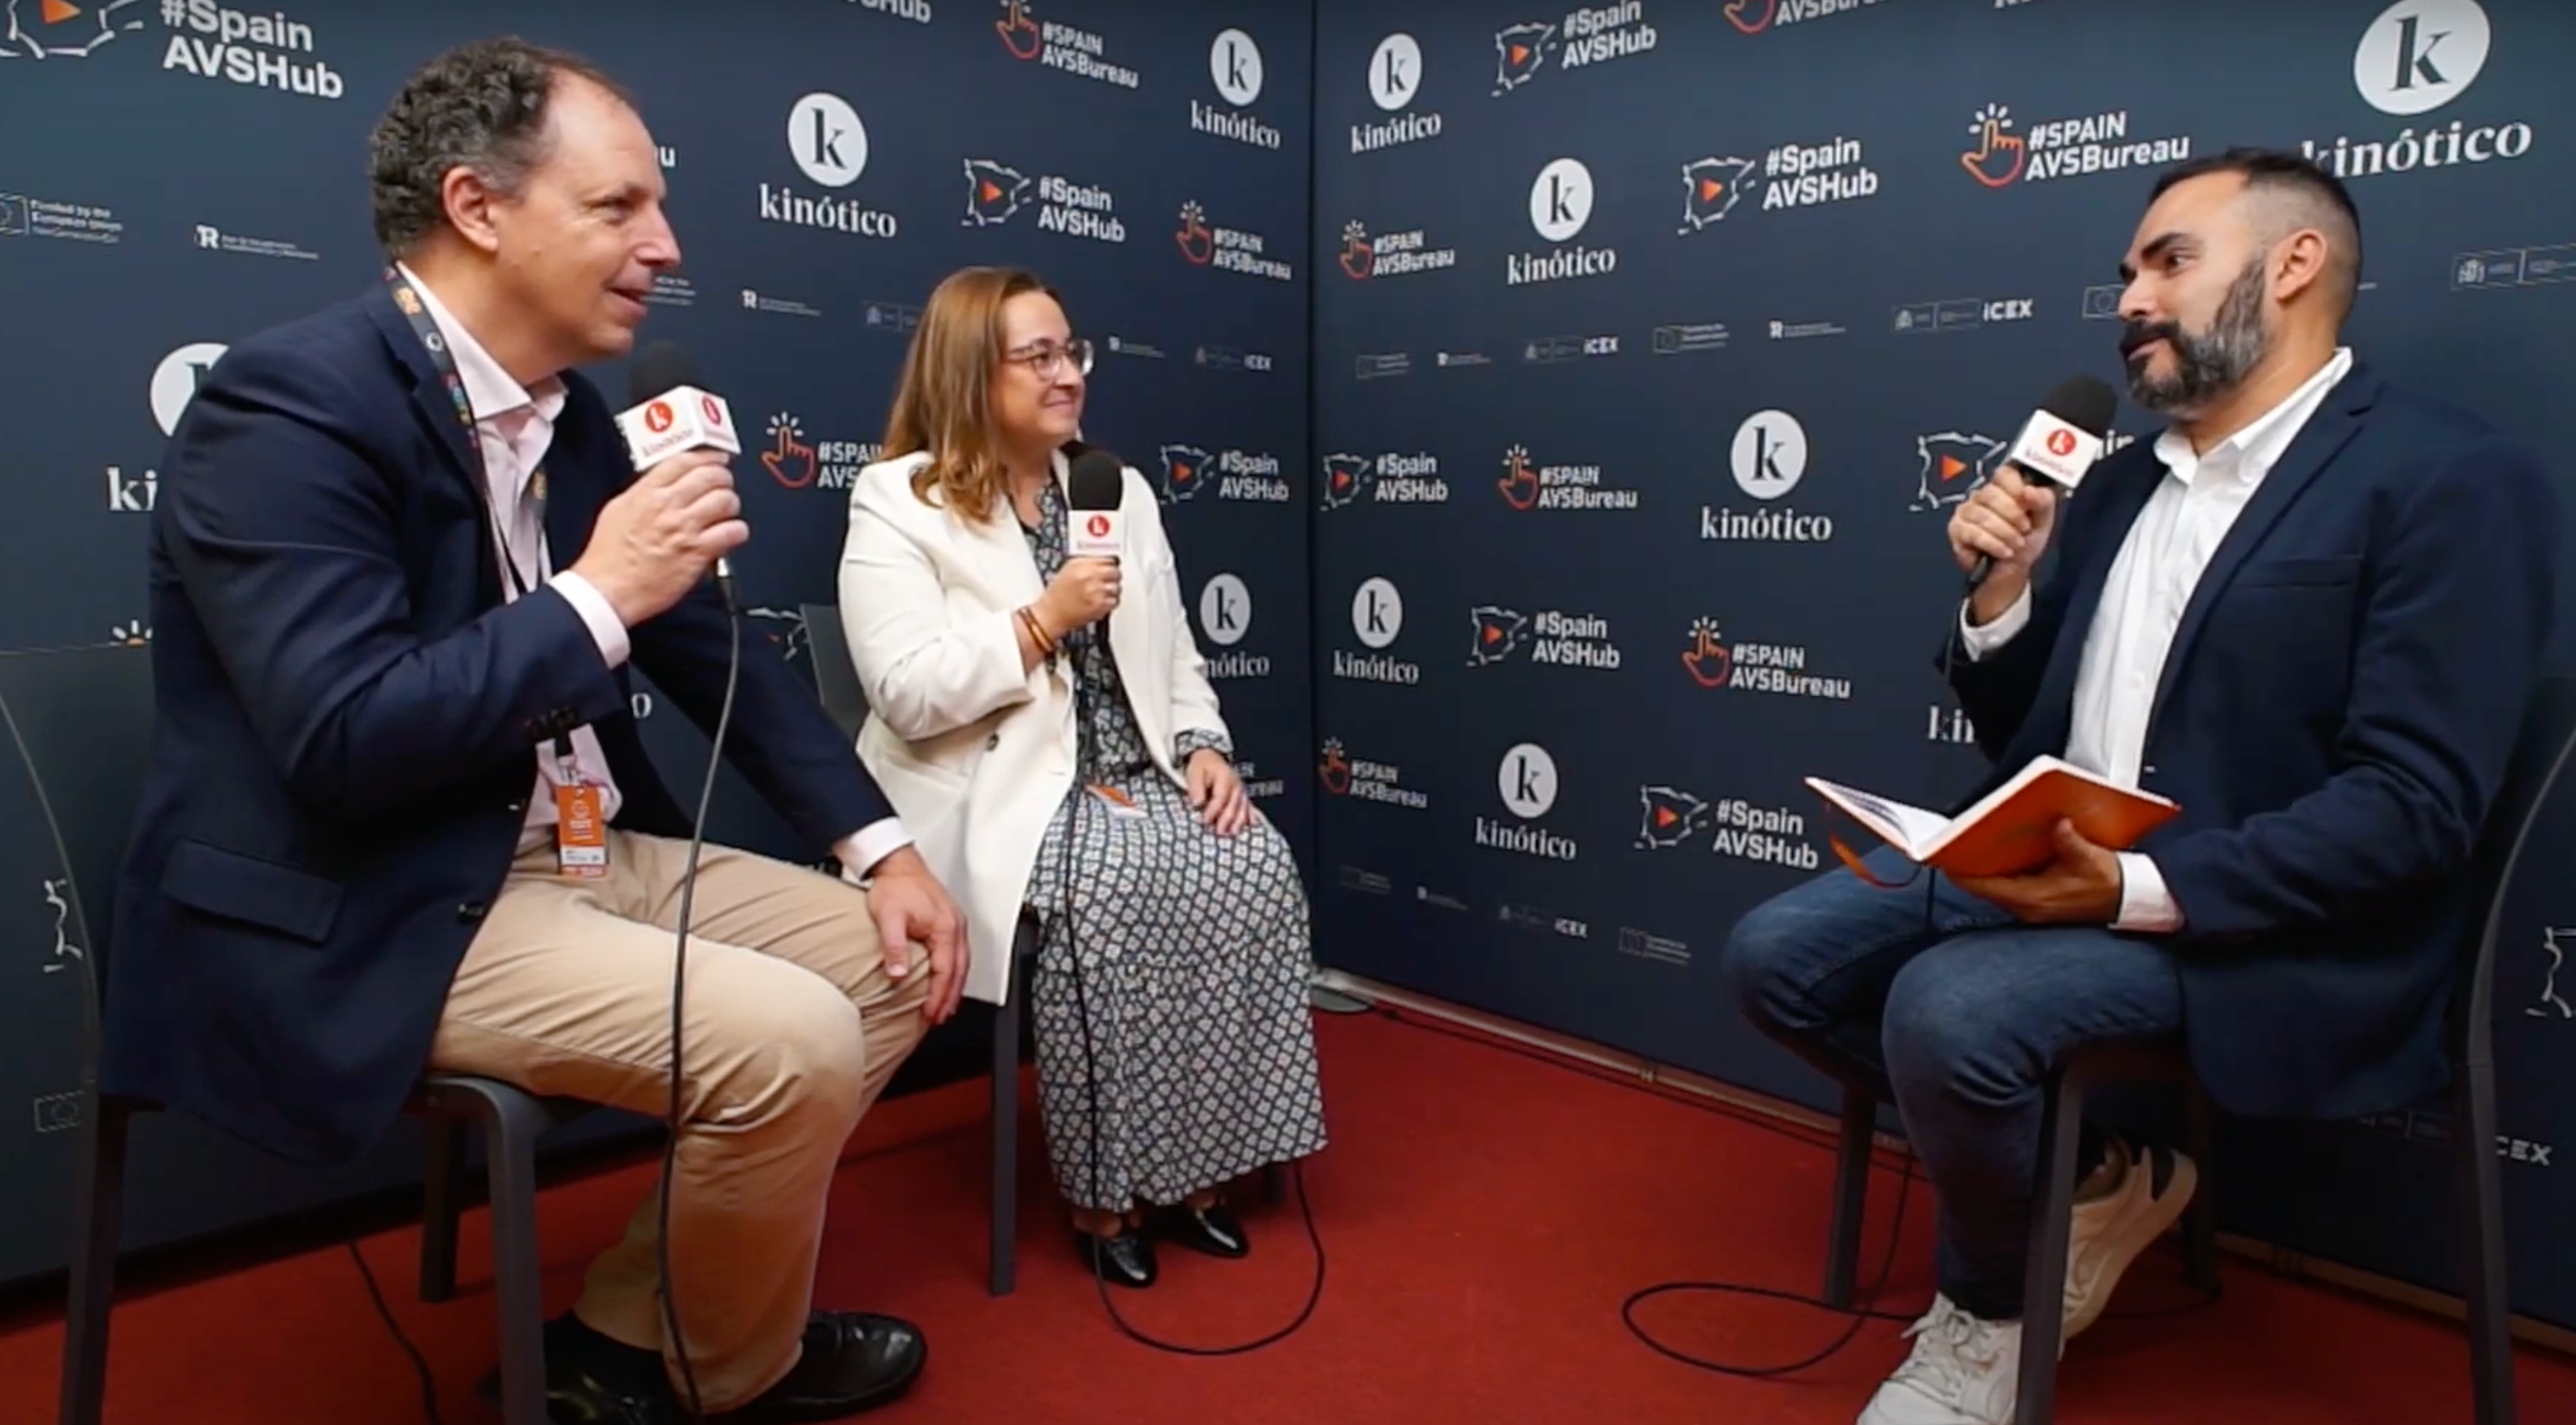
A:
(80, 720)
(836, 678)
(2539, 757)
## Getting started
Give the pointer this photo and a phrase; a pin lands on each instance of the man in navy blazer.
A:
(399, 817)
(2312, 613)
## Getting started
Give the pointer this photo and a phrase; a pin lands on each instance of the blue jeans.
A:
(1957, 1017)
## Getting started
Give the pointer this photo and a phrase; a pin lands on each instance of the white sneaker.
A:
(2110, 1231)
(1963, 1371)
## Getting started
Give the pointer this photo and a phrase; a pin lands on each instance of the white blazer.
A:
(974, 753)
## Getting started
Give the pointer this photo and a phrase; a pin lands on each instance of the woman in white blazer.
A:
(1175, 1048)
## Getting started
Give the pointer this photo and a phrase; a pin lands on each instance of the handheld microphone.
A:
(673, 413)
(2059, 443)
(1094, 487)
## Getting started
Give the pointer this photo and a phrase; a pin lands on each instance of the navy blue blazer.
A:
(347, 720)
(2344, 691)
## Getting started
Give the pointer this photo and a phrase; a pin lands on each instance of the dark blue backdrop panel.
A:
(1657, 343)
(827, 165)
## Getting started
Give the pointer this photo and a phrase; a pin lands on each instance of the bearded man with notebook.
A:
(2290, 641)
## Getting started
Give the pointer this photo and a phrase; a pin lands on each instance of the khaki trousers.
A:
(792, 1028)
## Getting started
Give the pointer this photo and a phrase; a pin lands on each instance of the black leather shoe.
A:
(576, 1394)
(853, 1361)
(1211, 1229)
(1124, 1260)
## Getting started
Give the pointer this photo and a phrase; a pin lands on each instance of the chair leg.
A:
(1006, 1141)
(2200, 1218)
(1851, 1197)
(98, 1222)
(2481, 1216)
(511, 1146)
(2052, 1226)
(442, 1197)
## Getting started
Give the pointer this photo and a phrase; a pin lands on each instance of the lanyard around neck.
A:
(408, 299)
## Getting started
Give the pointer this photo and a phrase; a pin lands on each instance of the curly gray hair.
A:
(480, 105)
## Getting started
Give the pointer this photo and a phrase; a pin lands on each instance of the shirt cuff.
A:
(2145, 904)
(861, 850)
(1982, 639)
(593, 607)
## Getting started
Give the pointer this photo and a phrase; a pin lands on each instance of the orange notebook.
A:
(2008, 831)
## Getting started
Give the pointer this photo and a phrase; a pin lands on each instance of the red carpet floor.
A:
(1485, 1213)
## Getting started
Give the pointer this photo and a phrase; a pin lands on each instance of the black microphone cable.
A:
(696, 1407)
(1082, 696)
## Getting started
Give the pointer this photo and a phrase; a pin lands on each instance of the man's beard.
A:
(2206, 365)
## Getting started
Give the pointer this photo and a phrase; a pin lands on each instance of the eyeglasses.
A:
(1043, 358)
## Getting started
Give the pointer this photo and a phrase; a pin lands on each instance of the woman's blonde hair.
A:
(943, 402)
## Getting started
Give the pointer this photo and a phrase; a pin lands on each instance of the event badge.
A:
(581, 835)
(1118, 802)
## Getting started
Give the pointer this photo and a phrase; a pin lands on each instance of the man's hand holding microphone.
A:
(2005, 523)
(1998, 535)
(660, 536)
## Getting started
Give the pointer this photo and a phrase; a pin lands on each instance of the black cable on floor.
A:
(419, 1362)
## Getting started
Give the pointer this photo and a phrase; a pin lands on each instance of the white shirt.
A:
(515, 426)
(2151, 582)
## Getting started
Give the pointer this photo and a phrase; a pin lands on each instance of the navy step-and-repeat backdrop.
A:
(182, 173)
(1654, 342)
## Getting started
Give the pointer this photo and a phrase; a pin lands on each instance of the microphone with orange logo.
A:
(2059, 443)
(673, 413)
(1094, 487)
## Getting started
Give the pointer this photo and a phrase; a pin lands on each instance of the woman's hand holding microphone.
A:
(1082, 592)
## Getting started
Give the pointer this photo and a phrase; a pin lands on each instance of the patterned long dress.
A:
(1186, 958)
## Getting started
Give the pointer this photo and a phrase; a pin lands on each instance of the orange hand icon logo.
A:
(1998, 156)
(1335, 768)
(1358, 258)
(1198, 244)
(1520, 482)
(1020, 34)
(1751, 17)
(790, 461)
(1707, 660)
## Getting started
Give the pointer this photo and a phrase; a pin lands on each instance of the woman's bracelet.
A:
(1037, 631)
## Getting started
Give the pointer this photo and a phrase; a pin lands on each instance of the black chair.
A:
(836, 682)
(2540, 755)
(62, 708)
